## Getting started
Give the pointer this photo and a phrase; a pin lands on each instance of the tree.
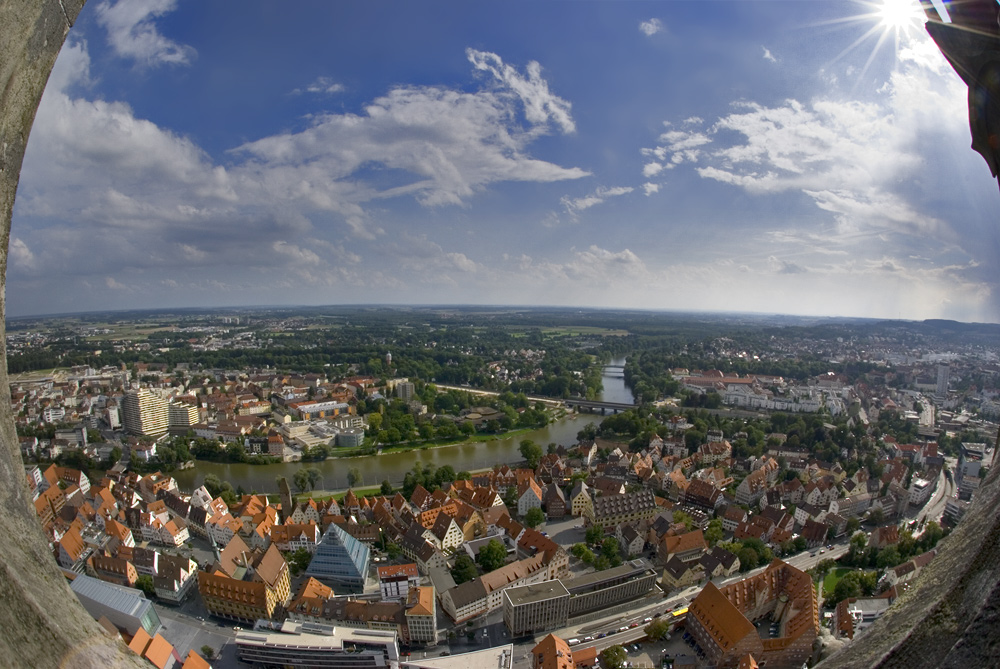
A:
(314, 475)
(354, 477)
(386, 488)
(713, 534)
(208, 652)
(145, 583)
(748, 558)
(888, 557)
(534, 517)
(846, 588)
(213, 485)
(594, 534)
(681, 517)
(298, 561)
(531, 452)
(609, 548)
(115, 456)
(492, 556)
(301, 480)
(658, 629)
(614, 657)
(464, 569)
(852, 525)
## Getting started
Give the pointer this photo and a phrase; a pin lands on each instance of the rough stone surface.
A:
(42, 623)
(951, 616)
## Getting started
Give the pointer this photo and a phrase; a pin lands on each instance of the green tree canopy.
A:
(464, 569)
(534, 517)
(614, 657)
(492, 556)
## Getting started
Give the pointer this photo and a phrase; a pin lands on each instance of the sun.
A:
(899, 15)
(885, 22)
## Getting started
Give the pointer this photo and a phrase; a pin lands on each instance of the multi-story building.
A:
(181, 414)
(340, 560)
(529, 609)
(126, 608)
(722, 620)
(611, 510)
(145, 413)
(245, 584)
(395, 580)
(421, 615)
(314, 644)
(604, 589)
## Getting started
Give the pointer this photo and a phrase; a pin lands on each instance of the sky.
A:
(792, 157)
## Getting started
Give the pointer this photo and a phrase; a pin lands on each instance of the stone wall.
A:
(43, 623)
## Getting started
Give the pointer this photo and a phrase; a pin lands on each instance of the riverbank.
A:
(364, 491)
(365, 451)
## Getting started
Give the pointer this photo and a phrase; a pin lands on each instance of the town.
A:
(729, 494)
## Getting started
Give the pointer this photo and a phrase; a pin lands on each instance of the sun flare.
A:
(899, 15)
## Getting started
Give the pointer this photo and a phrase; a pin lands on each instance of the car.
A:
(829, 547)
(822, 550)
(657, 614)
(623, 629)
(588, 638)
(237, 629)
(601, 635)
(633, 625)
(647, 620)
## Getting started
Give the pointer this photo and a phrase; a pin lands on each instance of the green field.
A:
(831, 579)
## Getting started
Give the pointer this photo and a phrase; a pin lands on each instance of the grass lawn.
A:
(831, 579)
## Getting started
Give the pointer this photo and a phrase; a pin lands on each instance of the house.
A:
(580, 500)
(881, 537)
(680, 574)
(555, 501)
(732, 518)
(689, 546)
(814, 533)
(529, 496)
(629, 539)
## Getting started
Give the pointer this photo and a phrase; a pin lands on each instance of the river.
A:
(393, 466)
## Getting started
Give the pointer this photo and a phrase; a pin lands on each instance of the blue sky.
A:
(777, 157)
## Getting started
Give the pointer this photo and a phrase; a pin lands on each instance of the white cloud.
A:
(20, 255)
(321, 86)
(576, 205)
(650, 27)
(540, 105)
(768, 56)
(651, 169)
(133, 34)
(649, 188)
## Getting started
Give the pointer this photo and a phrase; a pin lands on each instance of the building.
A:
(340, 560)
(552, 653)
(722, 620)
(244, 584)
(126, 608)
(145, 413)
(421, 615)
(535, 608)
(405, 390)
(181, 414)
(610, 511)
(395, 580)
(604, 589)
(315, 645)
